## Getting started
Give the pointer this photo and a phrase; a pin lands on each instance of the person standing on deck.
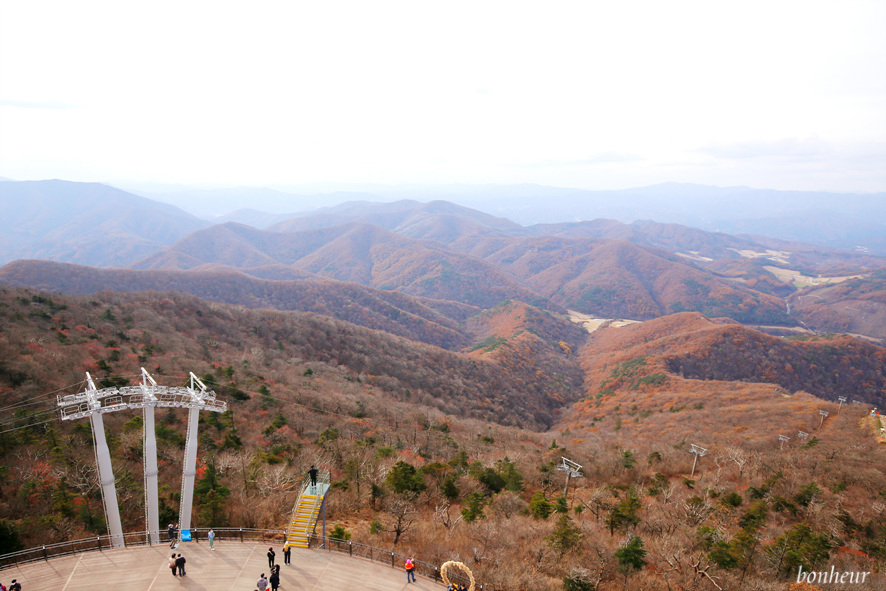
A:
(313, 474)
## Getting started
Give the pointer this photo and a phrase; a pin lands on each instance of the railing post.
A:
(99, 540)
(350, 549)
(45, 556)
(436, 574)
(392, 560)
(241, 535)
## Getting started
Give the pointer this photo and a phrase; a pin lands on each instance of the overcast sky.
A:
(596, 95)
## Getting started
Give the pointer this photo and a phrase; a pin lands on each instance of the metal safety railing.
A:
(392, 559)
(131, 539)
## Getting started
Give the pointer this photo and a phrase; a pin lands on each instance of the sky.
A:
(594, 94)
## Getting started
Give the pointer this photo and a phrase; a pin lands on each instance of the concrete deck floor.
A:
(232, 566)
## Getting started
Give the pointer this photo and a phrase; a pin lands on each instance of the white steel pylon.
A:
(105, 471)
(198, 401)
(152, 497)
(93, 403)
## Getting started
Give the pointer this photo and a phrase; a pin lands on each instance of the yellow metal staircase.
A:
(307, 510)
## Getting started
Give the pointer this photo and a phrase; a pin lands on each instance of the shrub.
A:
(732, 499)
(539, 506)
(404, 478)
(578, 580)
(473, 509)
(565, 536)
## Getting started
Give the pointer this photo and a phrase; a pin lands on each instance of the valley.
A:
(440, 362)
(480, 431)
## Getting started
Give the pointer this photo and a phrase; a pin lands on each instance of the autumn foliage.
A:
(452, 454)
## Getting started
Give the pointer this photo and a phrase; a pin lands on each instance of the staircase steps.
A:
(305, 513)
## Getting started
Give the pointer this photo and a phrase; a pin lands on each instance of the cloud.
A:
(795, 149)
(19, 104)
(600, 158)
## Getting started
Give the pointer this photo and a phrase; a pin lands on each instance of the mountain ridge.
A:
(422, 319)
(76, 222)
(443, 250)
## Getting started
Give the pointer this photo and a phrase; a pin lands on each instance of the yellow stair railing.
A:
(306, 510)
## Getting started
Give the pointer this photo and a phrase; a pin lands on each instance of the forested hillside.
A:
(693, 347)
(856, 306)
(688, 376)
(452, 455)
(426, 320)
(131, 327)
(354, 252)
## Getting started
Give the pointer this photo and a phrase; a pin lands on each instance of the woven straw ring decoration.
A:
(447, 565)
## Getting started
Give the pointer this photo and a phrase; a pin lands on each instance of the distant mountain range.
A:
(85, 223)
(840, 220)
(435, 251)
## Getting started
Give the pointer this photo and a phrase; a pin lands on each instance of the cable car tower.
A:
(572, 469)
(93, 403)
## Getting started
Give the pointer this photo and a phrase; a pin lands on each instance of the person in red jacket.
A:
(410, 570)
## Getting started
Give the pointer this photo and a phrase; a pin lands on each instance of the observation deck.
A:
(232, 566)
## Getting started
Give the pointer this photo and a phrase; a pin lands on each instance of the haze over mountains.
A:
(463, 347)
(85, 223)
(841, 220)
(439, 251)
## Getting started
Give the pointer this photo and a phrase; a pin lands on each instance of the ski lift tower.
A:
(93, 403)
(699, 452)
(572, 469)
(196, 401)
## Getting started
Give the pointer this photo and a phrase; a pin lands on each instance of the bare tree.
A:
(441, 512)
(690, 569)
(402, 515)
(596, 502)
(276, 480)
(482, 536)
(737, 456)
(669, 491)
(226, 461)
(507, 503)
(695, 509)
(83, 477)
